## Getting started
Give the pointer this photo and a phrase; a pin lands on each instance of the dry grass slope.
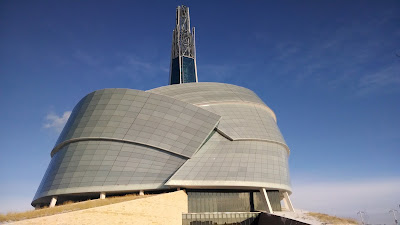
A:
(66, 207)
(325, 218)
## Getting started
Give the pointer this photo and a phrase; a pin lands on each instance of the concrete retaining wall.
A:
(161, 209)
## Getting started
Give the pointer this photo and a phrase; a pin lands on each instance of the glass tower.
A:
(183, 67)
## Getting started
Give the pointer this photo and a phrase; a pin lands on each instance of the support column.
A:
(178, 189)
(102, 195)
(287, 201)
(53, 202)
(265, 198)
(141, 192)
(37, 206)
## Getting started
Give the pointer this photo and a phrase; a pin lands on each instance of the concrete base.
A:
(266, 200)
(158, 209)
(53, 202)
(102, 195)
(141, 192)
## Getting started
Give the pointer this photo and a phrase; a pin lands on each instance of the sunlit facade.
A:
(219, 142)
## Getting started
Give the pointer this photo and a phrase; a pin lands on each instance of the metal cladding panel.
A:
(224, 163)
(96, 166)
(123, 139)
(243, 114)
(140, 117)
(206, 93)
(246, 121)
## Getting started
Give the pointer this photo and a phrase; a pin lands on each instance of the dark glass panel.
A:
(175, 71)
(188, 70)
(275, 200)
(258, 202)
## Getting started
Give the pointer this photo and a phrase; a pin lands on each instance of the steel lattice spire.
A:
(183, 67)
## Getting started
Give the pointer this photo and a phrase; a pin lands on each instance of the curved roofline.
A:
(73, 140)
(175, 85)
(262, 106)
(217, 102)
(212, 184)
(253, 139)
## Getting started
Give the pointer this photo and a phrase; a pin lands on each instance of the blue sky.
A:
(328, 69)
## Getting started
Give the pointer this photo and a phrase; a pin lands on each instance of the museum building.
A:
(219, 142)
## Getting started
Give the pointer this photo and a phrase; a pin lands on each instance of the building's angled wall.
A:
(246, 122)
(140, 117)
(243, 114)
(106, 166)
(248, 149)
(123, 139)
(222, 163)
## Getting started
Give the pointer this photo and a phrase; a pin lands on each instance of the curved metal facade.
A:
(246, 151)
(122, 139)
(195, 135)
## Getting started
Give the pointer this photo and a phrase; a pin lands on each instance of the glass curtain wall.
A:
(274, 199)
(230, 201)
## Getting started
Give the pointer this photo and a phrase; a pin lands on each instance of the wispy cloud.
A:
(124, 65)
(86, 58)
(355, 56)
(132, 63)
(144, 72)
(346, 198)
(216, 72)
(386, 78)
(55, 122)
(223, 72)
(121, 63)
